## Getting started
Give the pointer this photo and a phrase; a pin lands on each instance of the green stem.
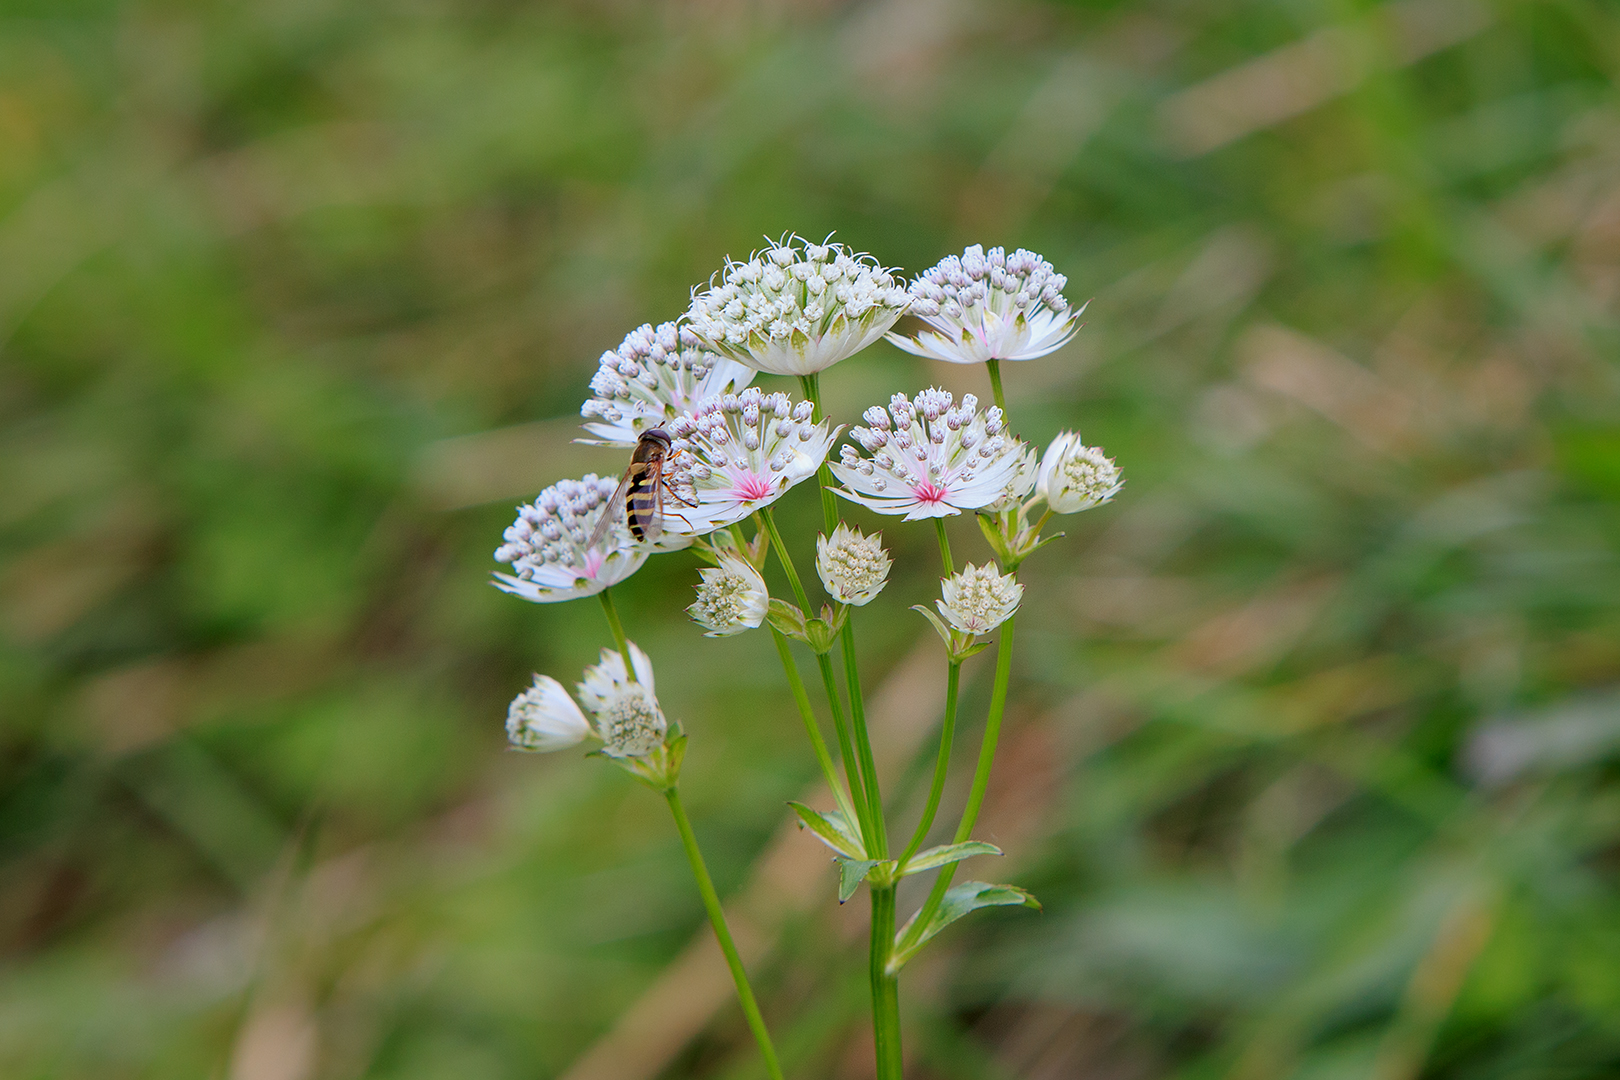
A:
(947, 734)
(995, 386)
(885, 987)
(944, 546)
(824, 477)
(722, 933)
(802, 699)
(786, 560)
(981, 779)
(863, 744)
(623, 642)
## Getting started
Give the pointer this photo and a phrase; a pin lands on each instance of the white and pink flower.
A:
(930, 458)
(656, 374)
(990, 306)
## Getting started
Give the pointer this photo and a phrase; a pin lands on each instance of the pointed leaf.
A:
(851, 872)
(832, 829)
(786, 618)
(958, 901)
(946, 854)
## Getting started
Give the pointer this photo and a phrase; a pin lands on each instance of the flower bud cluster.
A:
(654, 375)
(1076, 477)
(852, 566)
(977, 599)
(990, 306)
(730, 599)
(549, 549)
(797, 308)
(930, 457)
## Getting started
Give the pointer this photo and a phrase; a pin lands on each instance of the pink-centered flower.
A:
(549, 549)
(653, 376)
(990, 306)
(736, 454)
(929, 457)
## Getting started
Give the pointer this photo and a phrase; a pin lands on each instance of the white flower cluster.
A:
(933, 459)
(548, 546)
(731, 598)
(656, 374)
(990, 306)
(977, 599)
(740, 452)
(1075, 476)
(624, 712)
(797, 308)
(853, 567)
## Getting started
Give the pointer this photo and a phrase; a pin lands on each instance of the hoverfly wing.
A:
(612, 511)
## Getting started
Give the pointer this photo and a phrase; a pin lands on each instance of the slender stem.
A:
(824, 476)
(863, 744)
(846, 751)
(947, 734)
(944, 547)
(981, 779)
(885, 987)
(817, 743)
(995, 385)
(722, 933)
(786, 560)
(623, 642)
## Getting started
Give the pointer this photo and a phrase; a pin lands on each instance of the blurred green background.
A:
(1312, 755)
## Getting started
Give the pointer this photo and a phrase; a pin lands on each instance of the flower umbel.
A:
(731, 599)
(628, 719)
(653, 376)
(853, 567)
(738, 453)
(934, 459)
(545, 718)
(797, 308)
(547, 546)
(1075, 476)
(990, 306)
(977, 599)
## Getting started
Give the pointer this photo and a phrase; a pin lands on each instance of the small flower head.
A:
(737, 453)
(797, 308)
(853, 567)
(544, 718)
(1075, 476)
(626, 713)
(653, 376)
(731, 599)
(549, 550)
(990, 306)
(930, 458)
(977, 599)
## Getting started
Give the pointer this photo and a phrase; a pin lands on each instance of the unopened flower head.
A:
(797, 308)
(549, 550)
(654, 375)
(854, 567)
(738, 453)
(731, 598)
(990, 306)
(544, 718)
(628, 719)
(977, 599)
(1075, 476)
(929, 458)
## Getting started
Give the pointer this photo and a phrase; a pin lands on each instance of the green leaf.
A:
(946, 854)
(958, 901)
(851, 872)
(833, 830)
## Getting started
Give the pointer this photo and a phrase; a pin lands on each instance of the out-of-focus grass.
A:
(1313, 747)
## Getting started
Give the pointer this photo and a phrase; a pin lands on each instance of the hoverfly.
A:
(638, 501)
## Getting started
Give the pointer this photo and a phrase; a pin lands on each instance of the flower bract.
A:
(549, 550)
(990, 306)
(731, 598)
(977, 599)
(545, 718)
(853, 567)
(797, 308)
(739, 453)
(654, 375)
(1075, 476)
(929, 457)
